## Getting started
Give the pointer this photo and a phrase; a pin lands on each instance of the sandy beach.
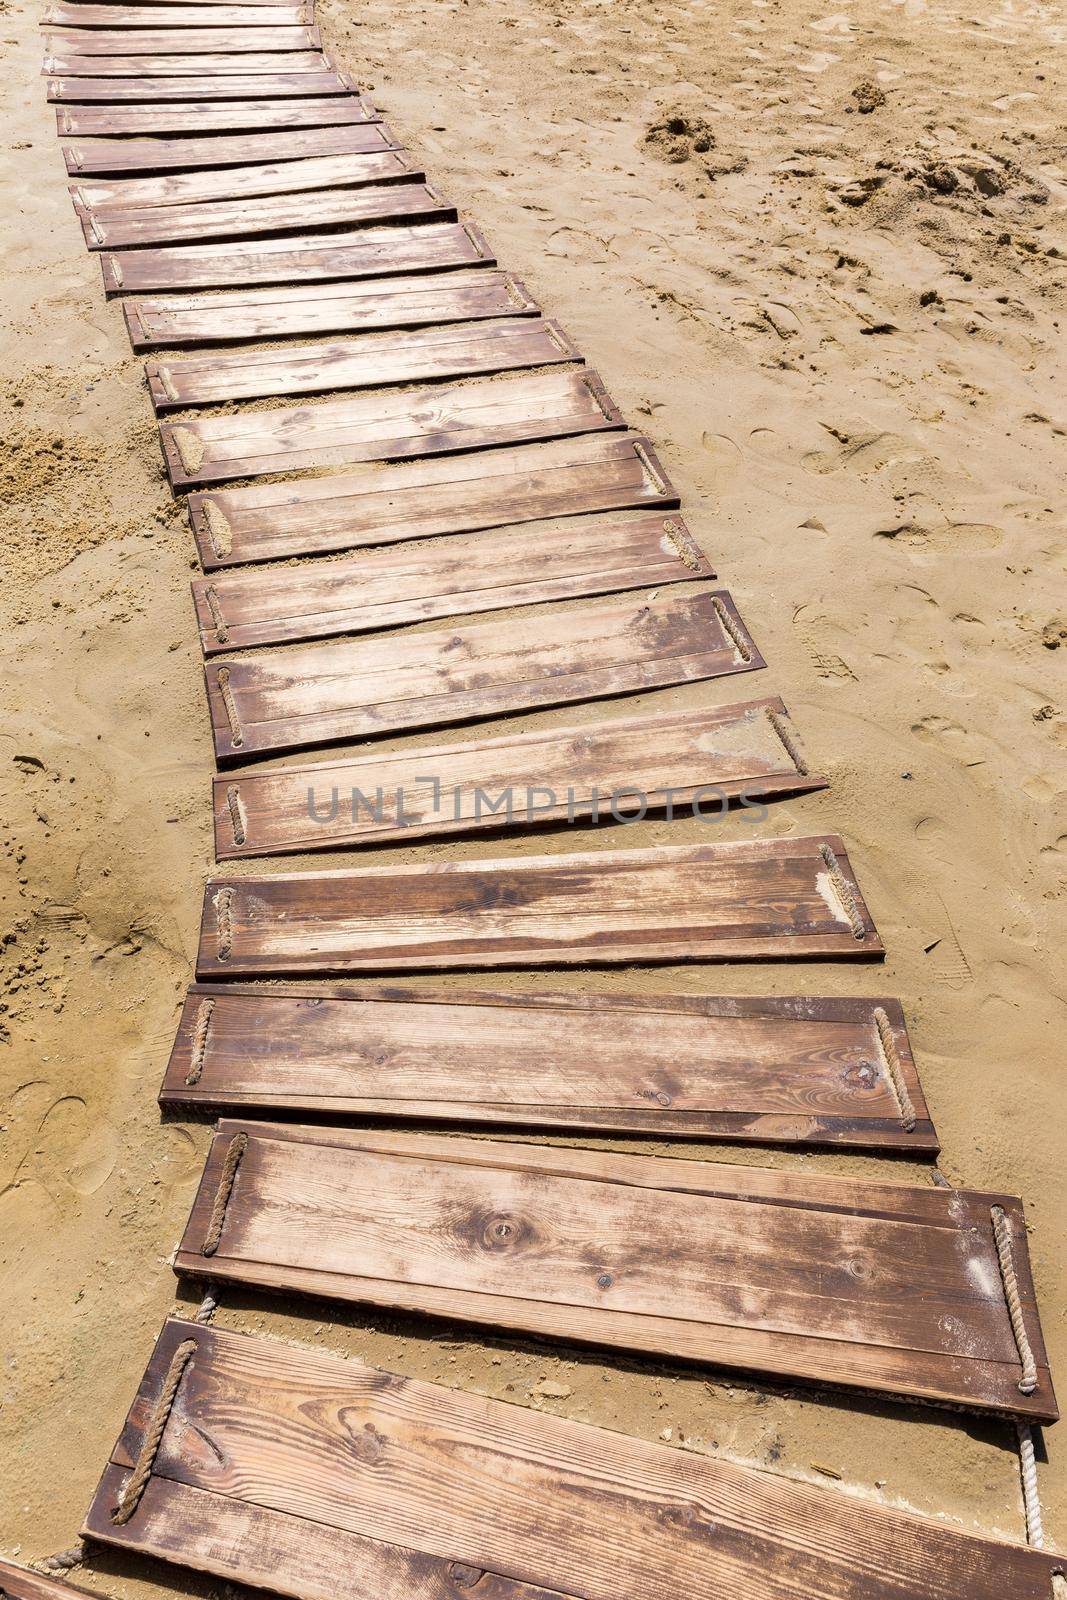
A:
(820, 259)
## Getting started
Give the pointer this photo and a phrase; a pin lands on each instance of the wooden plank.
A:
(19, 1583)
(610, 770)
(454, 494)
(220, 150)
(249, 116)
(68, 64)
(426, 421)
(249, 85)
(768, 900)
(312, 695)
(283, 14)
(369, 360)
(396, 584)
(309, 258)
(887, 1287)
(299, 1471)
(263, 215)
(87, 42)
(174, 321)
(777, 1071)
(107, 196)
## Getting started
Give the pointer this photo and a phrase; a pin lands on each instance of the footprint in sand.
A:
(726, 460)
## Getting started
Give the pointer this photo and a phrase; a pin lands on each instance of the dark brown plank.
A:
(222, 150)
(227, 116)
(418, 1490)
(792, 1071)
(166, 41)
(180, 16)
(375, 504)
(309, 258)
(608, 770)
(370, 360)
(768, 900)
(105, 197)
(19, 1583)
(434, 420)
(396, 584)
(264, 215)
(68, 64)
(431, 298)
(88, 90)
(311, 695)
(826, 1280)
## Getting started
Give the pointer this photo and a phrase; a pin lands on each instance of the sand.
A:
(819, 258)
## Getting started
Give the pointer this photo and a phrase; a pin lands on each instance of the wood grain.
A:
(233, 85)
(283, 14)
(19, 1583)
(223, 150)
(433, 420)
(376, 504)
(236, 116)
(297, 1470)
(311, 695)
(776, 1071)
(309, 258)
(110, 42)
(368, 361)
(264, 215)
(372, 306)
(405, 583)
(768, 900)
(105, 196)
(67, 64)
(826, 1279)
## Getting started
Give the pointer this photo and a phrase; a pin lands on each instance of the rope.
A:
(731, 628)
(844, 892)
(1002, 1236)
(657, 480)
(894, 1070)
(211, 595)
(1035, 1531)
(200, 1038)
(218, 529)
(681, 544)
(223, 908)
(208, 1306)
(137, 1482)
(222, 678)
(238, 1146)
(237, 821)
(789, 741)
(64, 1561)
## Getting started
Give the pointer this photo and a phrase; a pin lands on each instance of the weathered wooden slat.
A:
(369, 360)
(311, 695)
(236, 116)
(830, 1280)
(88, 89)
(454, 494)
(768, 900)
(426, 421)
(372, 306)
(396, 584)
(110, 43)
(608, 770)
(107, 196)
(221, 150)
(180, 16)
(309, 258)
(21, 1584)
(68, 64)
(296, 1470)
(776, 1071)
(264, 215)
